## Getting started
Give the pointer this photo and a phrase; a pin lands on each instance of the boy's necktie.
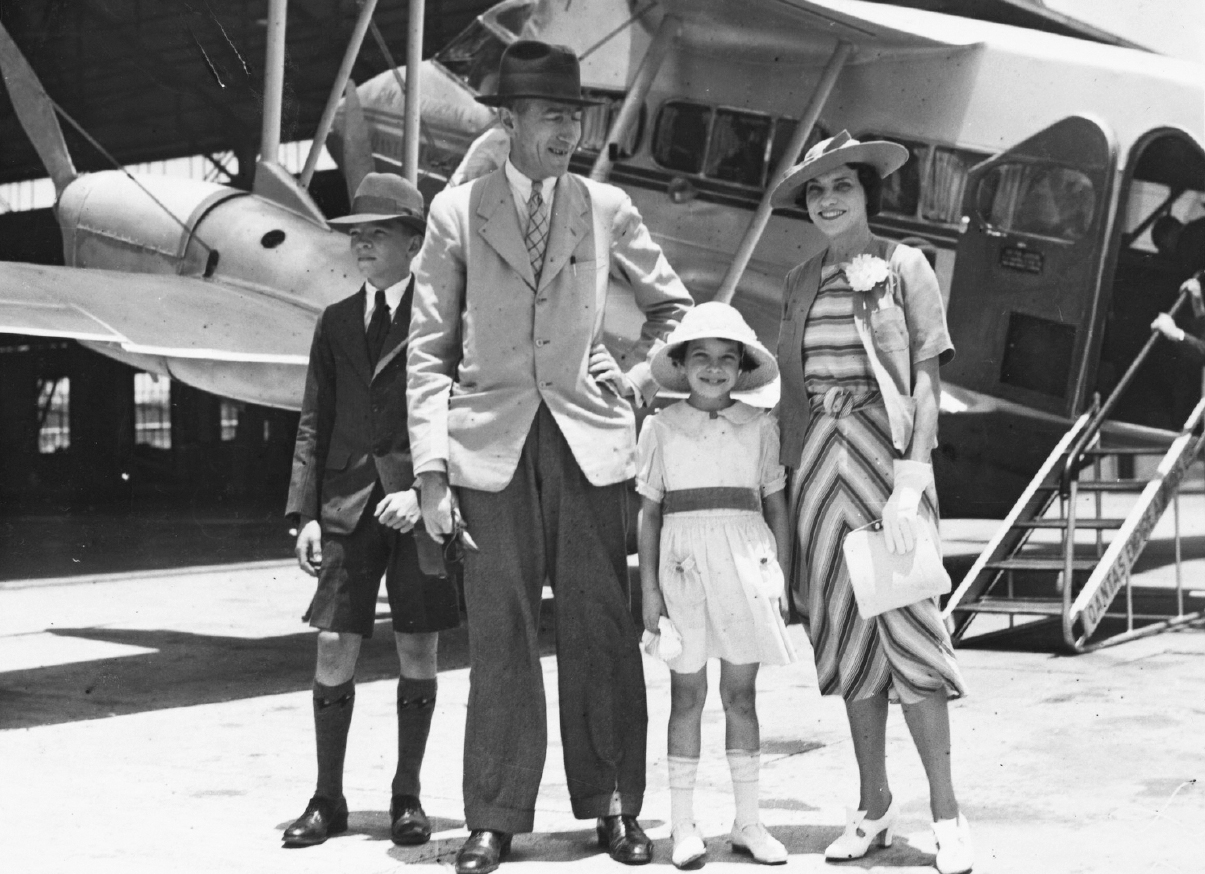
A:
(378, 328)
(536, 237)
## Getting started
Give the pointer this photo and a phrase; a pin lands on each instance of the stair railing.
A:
(1075, 456)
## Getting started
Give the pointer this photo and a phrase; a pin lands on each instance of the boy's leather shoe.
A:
(482, 852)
(323, 817)
(624, 839)
(408, 823)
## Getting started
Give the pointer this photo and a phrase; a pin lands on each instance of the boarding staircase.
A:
(1035, 565)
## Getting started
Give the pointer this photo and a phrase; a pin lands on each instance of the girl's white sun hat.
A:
(723, 322)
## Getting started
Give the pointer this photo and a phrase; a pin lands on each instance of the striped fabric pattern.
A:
(833, 353)
(842, 481)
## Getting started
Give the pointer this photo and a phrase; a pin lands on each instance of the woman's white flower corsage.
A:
(864, 272)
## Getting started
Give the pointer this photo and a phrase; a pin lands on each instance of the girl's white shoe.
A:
(860, 833)
(955, 852)
(758, 843)
(688, 845)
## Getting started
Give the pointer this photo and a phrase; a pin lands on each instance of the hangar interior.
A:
(151, 82)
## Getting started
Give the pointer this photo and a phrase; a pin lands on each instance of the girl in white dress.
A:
(710, 481)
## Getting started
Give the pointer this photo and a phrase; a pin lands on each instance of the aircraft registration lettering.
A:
(1024, 260)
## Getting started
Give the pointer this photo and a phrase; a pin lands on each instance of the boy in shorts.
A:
(352, 496)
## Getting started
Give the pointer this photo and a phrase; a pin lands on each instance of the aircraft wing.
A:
(155, 314)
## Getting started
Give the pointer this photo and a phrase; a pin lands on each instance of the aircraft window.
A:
(738, 147)
(597, 121)
(152, 410)
(473, 57)
(1041, 199)
(941, 195)
(681, 136)
(513, 18)
(54, 415)
(902, 189)
(784, 129)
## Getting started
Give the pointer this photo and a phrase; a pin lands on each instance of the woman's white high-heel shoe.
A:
(758, 843)
(955, 852)
(860, 833)
(688, 845)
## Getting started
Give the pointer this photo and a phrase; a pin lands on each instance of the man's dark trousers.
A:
(550, 522)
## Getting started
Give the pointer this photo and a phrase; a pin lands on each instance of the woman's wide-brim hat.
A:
(723, 322)
(384, 196)
(885, 157)
(533, 69)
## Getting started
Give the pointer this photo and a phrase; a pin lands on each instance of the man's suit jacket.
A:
(488, 345)
(352, 431)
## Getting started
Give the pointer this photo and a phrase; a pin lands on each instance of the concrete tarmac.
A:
(157, 721)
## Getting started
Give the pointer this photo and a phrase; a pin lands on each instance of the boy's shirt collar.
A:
(393, 297)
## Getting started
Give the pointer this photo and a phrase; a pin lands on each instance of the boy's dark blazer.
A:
(352, 431)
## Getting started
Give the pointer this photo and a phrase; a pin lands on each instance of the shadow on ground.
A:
(187, 669)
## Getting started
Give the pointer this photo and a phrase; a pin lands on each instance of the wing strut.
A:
(803, 130)
(414, 63)
(629, 112)
(332, 102)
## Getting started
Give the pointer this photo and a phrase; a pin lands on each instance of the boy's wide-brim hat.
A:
(721, 321)
(384, 196)
(826, 155)
(533, 69)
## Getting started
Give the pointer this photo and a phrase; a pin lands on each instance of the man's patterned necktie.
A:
(536, 237)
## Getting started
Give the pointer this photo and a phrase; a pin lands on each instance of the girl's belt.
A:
(838, 402)
(713, 498)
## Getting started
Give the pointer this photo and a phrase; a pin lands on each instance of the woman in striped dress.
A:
(862, 337)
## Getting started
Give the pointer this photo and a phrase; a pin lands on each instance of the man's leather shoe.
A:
(625, 840)
(408, 823)
(482, 852)
(323, 817)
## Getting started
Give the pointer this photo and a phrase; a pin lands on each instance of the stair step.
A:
(1126, 450)
(1031, 606)
(1092, 524)
(1041, 564)
(1118, 485)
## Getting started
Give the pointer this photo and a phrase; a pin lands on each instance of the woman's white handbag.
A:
(883, 580)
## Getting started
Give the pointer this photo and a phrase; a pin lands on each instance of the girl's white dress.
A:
(719, 571)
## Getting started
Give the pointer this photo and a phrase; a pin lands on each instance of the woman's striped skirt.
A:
(843, 480)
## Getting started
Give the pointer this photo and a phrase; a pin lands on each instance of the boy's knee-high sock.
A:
(332, 719)
(745, 765)
(415, 705)
(682, 772)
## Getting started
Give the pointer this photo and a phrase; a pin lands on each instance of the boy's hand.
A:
(399, 510)
(653, 610)
(1166, 325)
(309, 547)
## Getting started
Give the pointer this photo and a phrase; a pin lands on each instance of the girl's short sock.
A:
(682, 772)
(745, 766)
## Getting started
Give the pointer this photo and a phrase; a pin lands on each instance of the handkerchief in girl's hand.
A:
(666, 644)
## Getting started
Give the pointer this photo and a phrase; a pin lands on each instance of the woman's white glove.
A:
(901, 519)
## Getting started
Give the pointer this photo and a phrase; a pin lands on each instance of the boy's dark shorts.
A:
(350, 578)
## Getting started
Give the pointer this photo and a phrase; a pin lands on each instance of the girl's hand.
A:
(653, 610)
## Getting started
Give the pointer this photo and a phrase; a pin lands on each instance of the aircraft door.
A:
(1027, 267)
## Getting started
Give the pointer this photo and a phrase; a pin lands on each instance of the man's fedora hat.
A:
(530, 68)
(714, 320)
(383, 196)
(830, 154)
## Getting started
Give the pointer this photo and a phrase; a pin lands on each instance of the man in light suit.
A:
(515, 402)
(352, 496)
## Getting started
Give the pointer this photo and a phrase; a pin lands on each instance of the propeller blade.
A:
(36, 112)
(357, 150)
